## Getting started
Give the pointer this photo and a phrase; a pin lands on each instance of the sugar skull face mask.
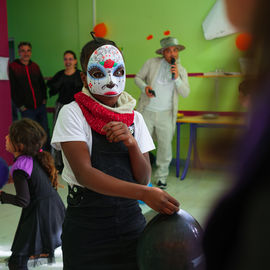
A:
(106, 71)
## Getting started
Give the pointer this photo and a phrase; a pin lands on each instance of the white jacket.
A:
(147, 76)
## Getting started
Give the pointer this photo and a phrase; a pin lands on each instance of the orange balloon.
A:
(100, 30)
(243, 41)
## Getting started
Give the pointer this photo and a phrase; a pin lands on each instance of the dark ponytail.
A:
(46, 161)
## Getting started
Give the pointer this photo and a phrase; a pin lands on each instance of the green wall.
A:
(54, 26)
(130, 22)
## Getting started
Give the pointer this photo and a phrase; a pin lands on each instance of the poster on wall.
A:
(3, 68)
(217, 24)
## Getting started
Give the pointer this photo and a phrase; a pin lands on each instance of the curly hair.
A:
(28, 137)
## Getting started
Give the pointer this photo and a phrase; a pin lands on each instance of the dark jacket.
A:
(65, 85)
(28, 88)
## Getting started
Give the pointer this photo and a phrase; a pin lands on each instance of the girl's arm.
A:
(22, 197)
(140, 163)
(78, 157)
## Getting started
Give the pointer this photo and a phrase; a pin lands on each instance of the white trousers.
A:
(160, 127)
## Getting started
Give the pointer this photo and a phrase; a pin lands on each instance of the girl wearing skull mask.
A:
(105, 146)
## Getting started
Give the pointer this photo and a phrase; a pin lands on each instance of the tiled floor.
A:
(197, 195)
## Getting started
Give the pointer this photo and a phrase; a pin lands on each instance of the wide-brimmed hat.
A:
(168, 42)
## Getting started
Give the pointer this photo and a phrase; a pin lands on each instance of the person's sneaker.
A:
(161, 185)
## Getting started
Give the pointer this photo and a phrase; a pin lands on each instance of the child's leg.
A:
(18, 262)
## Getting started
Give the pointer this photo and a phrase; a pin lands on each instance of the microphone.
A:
(172, 63)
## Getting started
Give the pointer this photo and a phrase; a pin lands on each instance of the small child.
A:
(35, 179)
(105, 146)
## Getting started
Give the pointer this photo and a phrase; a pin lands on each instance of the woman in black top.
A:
(66, 83)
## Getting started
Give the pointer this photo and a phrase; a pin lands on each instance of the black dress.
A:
(100, 232)
(40, 224)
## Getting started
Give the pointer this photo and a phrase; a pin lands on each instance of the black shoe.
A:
(161, 185)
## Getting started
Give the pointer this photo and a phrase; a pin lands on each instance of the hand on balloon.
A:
(118, 131)
(160, 201)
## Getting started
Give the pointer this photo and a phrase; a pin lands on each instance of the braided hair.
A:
(27, 138)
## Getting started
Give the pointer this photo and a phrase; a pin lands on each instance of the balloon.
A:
(4, 172)
(243, 41)
(100, 30)
(171, 242)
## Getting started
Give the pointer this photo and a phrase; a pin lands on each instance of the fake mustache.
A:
(109, 85)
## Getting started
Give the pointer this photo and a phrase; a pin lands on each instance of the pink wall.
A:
(5, 100)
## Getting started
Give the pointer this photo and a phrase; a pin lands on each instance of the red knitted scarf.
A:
(97, 116)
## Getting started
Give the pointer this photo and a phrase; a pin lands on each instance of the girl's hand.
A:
(160, 201)
(118, 131)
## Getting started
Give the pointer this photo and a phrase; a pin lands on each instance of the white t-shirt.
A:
(71, 125)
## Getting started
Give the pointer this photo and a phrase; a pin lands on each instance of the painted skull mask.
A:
(106, 71)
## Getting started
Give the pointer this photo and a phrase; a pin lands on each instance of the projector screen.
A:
(216, 24)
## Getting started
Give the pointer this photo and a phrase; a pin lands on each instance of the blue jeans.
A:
(39, 115)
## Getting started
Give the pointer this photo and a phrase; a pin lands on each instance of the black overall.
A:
(99, 231)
